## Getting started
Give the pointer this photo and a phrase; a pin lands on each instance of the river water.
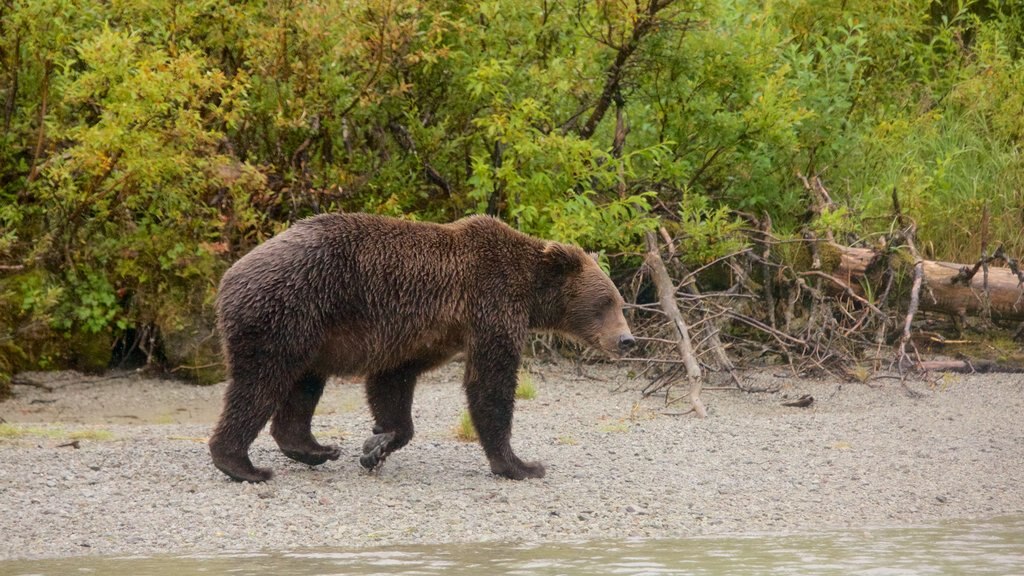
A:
(967, 548)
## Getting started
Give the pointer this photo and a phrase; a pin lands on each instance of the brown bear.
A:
(356, 294)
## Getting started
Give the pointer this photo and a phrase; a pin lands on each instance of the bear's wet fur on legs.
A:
(490, 382)
(246, 410)
(390, 395)
(292, 423)
(363, 295)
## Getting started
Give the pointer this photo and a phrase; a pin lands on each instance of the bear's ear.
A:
(562, 259)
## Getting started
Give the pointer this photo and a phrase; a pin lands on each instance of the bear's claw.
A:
(374, 450)
(241, 473)
(314, 457)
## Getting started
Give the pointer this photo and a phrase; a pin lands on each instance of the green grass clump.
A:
(16, 431)
(465, 430)
(526, 390)
(618, 427)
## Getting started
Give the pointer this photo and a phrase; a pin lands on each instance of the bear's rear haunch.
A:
(354, 294)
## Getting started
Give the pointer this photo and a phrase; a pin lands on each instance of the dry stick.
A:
(405, 142)
(690, 287)
(1014, 265)
(666, 295)
(890, 276)
(811, 240)
(986, 302)
(847, 290)
(669, 243)
(970, 366)
(909, 231)
(41, 137)
(646, 22)
(818, 320)
(769, 296)
(1000, 254)
(965, 275)
(821, 200)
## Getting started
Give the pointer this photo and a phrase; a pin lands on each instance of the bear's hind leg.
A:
(390, 397)
(291, 427)
(246, 411)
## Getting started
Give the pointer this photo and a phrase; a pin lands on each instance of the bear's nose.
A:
(626, 341)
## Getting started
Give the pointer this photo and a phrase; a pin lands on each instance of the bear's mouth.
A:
(615, 347)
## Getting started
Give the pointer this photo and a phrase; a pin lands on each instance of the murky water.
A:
(992, 547)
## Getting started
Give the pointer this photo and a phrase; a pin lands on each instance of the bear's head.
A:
(580, 300)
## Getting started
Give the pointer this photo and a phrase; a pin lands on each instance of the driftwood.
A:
(944, 290)
(667, 299)
(969, 366)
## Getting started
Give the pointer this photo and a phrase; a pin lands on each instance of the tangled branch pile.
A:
(813, 305)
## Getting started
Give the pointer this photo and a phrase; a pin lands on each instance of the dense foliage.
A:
(146, 144)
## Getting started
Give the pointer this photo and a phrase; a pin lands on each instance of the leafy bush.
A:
(144, 146)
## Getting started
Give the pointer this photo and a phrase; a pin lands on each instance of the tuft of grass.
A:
(860, 373)
(948, 380)
(614, 427)
(526, 389)
(465, 431)
(14, 432)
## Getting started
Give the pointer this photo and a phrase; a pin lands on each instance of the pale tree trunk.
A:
(667, 300)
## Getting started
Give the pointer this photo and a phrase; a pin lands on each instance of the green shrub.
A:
(145, 146)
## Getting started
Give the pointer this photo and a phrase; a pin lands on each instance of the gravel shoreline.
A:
(141, 482)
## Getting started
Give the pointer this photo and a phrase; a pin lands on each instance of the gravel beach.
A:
(138, 479)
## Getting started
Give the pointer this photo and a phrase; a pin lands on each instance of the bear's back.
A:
(372, 290)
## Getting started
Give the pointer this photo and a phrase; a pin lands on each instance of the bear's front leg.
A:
(491, 391)
(390, 396)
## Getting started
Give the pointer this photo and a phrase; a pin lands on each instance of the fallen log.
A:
(970, 366)
(945, 289)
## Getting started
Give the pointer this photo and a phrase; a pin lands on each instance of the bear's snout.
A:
(626, 343)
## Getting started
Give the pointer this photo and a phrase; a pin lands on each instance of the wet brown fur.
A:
(355, 294)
